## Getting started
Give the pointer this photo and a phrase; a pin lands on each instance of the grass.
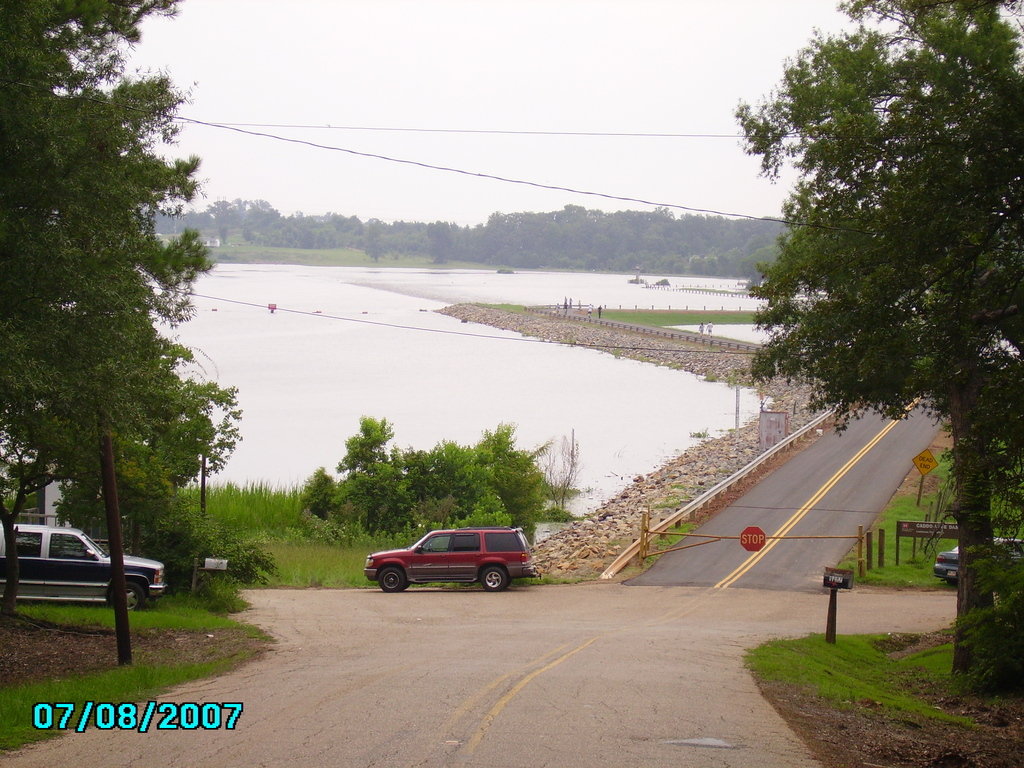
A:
(658, 318)
(517, 308)
(855, 670)
(168, 613)
(318, 565)
(137, 682)
(665, 318)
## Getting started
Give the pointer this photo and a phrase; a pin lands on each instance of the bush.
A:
(557, 515)
(219, 593)
(995, 635)
(184, 534)
(338, 531)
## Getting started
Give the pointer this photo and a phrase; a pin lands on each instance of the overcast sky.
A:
(586, 66)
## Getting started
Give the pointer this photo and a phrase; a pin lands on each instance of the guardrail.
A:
(631, 551)
(576, 315)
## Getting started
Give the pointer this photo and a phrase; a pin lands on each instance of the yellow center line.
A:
(488, 719)
(500, 704)
(799, 515)
(471, 702)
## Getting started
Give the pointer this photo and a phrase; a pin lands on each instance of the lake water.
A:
(347, 342)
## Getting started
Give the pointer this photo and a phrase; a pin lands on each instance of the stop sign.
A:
(752, 539)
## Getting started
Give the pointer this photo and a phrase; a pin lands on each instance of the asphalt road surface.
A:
(828, 489)
(561, 676)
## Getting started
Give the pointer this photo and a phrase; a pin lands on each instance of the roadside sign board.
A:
(752, 539)
(925, 462)
(921, 529)
(838, 578)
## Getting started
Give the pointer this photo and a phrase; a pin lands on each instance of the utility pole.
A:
(119, 593)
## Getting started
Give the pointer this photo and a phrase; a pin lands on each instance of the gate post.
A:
(645, 522)
(860, 551)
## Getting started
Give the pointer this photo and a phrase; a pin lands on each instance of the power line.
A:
(448, 169)
(446, 332)
(475, 174)
(486, 131)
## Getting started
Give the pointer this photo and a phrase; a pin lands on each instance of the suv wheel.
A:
(392, 579)
(494, 578)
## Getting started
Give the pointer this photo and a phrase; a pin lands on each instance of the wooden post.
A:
(645, 522)
(830, 621)
(860, 551)
(881, 547)
(920, 488)
(871, 550)
(202, 488)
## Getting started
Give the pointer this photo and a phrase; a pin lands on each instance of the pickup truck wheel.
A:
(135, 594)
(494, 578)
(392, 579)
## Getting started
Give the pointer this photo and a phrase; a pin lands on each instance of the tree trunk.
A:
(8, 607)
(971, 510)
(8, 518)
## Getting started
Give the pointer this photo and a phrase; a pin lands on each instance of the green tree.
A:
(84, 274)
(186, 425)
(226, 216)
(902, 278)
(449, 473)
(372, 245)
(514, 475)
(391, 490)
(374, 480)
(319, 494)
(440, 238)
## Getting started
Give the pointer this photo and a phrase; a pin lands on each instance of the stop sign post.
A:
(753, 539)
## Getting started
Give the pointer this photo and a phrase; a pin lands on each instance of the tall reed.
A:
(253, 507)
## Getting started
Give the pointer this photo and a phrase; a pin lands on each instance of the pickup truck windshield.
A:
(94, 546)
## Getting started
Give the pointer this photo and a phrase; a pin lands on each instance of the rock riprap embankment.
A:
(588, 545)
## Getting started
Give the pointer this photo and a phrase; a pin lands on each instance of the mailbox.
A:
(838, 578)
(214, 564)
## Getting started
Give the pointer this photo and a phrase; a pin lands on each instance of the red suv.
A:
(492, 556)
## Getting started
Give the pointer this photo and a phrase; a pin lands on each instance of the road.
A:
(557, 676)
(839, 482)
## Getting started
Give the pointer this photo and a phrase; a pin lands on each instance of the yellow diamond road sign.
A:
(925, 462)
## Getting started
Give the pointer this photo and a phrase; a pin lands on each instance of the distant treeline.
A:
(573, 238)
